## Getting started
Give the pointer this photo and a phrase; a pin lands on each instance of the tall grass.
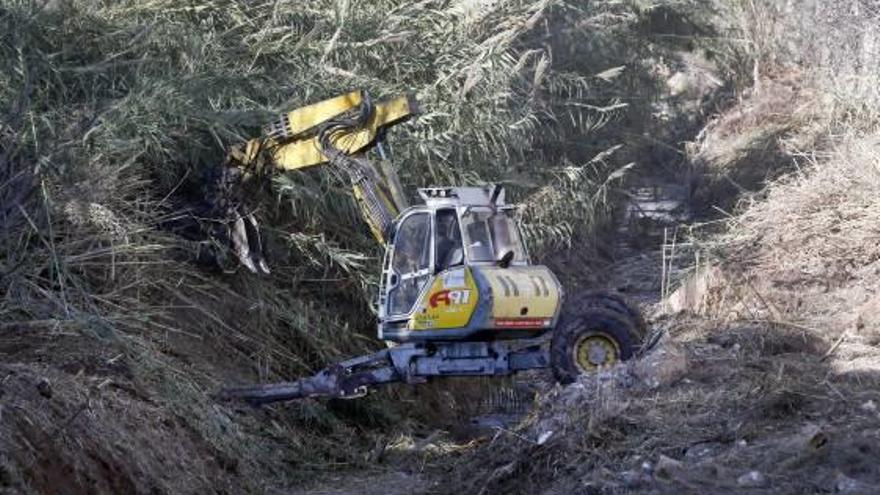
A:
(836, 43)
(113, 112)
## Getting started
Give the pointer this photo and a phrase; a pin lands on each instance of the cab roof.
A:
(489, 195)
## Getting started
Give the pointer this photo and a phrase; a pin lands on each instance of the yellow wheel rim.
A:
(594, 352)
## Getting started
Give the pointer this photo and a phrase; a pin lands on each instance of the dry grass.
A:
(694, 417)
(816, 229)
(111, 115)
(797, 156)
(782, 361)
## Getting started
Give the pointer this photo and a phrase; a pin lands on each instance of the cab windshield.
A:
(489, 234)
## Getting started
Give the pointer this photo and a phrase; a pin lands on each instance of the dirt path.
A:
(647, 229)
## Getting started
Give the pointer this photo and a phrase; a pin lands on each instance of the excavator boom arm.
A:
(292, 142)
(337, 131)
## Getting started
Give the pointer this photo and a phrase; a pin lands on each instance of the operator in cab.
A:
(448, 249)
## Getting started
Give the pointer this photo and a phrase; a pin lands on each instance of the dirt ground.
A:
(85, 426)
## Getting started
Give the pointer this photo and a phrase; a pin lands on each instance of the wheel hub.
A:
(594, 352)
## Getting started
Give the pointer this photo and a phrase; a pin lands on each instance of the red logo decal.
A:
(438, 297)
(450, 297)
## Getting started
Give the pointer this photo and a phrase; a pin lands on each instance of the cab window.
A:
(448, 248)
(411, 262)
(489, 234)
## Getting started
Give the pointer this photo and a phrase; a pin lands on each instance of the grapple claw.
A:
(247, 245)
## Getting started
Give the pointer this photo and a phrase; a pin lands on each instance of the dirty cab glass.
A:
(489, 234)
(448, 249)
(411, 262)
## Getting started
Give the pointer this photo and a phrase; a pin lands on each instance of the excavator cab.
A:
(457, 269)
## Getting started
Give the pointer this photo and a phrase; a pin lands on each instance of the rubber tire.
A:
(574, 324)
(615, 302)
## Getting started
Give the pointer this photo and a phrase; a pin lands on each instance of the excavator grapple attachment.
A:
(337, 131)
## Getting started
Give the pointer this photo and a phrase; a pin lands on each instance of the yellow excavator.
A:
(458, 294)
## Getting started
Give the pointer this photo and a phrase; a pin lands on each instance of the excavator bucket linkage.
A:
(338, 131)
(409, 363)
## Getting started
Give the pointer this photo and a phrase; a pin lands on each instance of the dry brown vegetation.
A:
(111, 116)
(766, 380)
(112, 339)
(714, 405)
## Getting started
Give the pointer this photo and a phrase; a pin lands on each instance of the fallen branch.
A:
(836, 345)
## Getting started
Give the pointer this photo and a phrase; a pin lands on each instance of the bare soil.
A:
(75, 421)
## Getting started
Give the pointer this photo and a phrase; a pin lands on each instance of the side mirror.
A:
(506, 258)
